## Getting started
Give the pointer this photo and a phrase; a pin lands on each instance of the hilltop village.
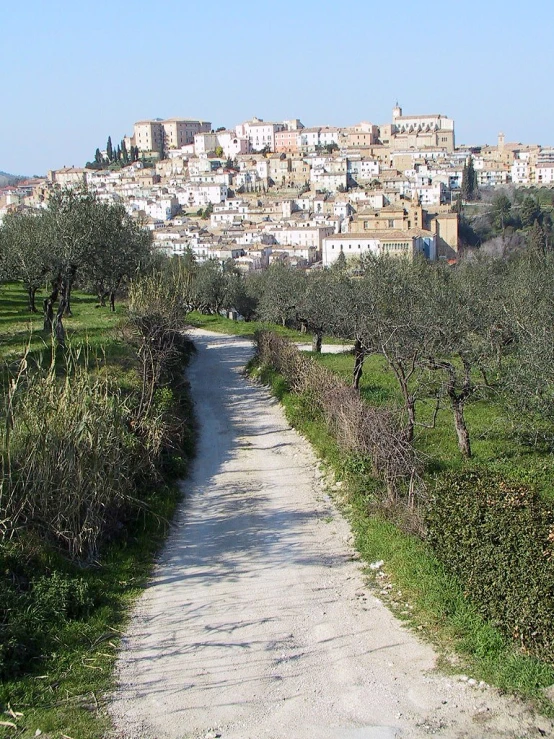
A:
(263, 191)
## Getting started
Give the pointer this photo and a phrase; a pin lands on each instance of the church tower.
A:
(396, 112)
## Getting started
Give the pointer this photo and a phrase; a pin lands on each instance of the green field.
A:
(496, 442)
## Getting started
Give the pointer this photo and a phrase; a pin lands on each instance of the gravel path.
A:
(256, 622)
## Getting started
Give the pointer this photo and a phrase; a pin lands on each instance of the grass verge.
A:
(65, 695)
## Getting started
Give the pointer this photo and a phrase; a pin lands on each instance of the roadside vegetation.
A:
(96, 428)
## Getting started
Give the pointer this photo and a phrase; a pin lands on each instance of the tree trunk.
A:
(457, 403)
(457, 400)
(112, 301)
(359, 356)
(67, 299)
(58, 324)
(410, 409)
(48, 308)
(317, 340)
(461, 428)
(32, 305)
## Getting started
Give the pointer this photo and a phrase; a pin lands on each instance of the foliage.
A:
(280, 292)
(68, 459)
(31, 608)
(76, 237)
(79, 458)
(26, 250)
(497, 537)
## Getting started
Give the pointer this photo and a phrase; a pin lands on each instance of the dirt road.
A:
(257, 622)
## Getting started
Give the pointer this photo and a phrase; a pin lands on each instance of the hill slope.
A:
(10, 179)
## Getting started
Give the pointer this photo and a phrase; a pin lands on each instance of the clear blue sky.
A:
(76, 71)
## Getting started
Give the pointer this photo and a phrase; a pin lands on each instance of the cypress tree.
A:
(469, 180)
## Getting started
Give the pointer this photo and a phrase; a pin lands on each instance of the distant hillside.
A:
(10, 179)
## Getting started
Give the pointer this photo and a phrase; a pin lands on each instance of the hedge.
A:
(497, 537)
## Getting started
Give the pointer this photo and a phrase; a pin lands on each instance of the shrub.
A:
(497, 537)
(68, 459)
(32, 611)
(373, 433)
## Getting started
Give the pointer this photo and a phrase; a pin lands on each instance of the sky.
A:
(75, 72)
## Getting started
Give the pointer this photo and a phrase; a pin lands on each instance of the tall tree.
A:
(466, 333)
(501, 211)
(391, 322)
(109, 149)
(536, 239)
(530, 211)
(115, 253)
(469, 180)
(316, 307)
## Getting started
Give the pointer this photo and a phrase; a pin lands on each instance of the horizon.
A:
(81, 77)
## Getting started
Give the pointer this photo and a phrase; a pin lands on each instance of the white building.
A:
(205, 142)
(521, 169)
(259, 134)
(232, 144)
(308, 139)
(391, 243)
(199, 194)
(309, 237)
(435, 193)
(544, 174)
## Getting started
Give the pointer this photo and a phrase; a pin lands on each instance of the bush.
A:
(32, 611)
(497, 537)
(371, 433)
(68, 460)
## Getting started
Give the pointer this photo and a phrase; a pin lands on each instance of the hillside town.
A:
(264, 191)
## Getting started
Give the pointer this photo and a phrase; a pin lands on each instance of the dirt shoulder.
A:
(257, 622)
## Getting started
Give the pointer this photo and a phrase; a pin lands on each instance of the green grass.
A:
(224, 325)
(88, 324)
(412, 581)
(497, 443)
(64, 692)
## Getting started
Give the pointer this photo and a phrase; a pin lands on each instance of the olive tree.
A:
(281, 289)
(25, 251)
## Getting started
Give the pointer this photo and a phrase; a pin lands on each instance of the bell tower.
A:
(396, 112)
